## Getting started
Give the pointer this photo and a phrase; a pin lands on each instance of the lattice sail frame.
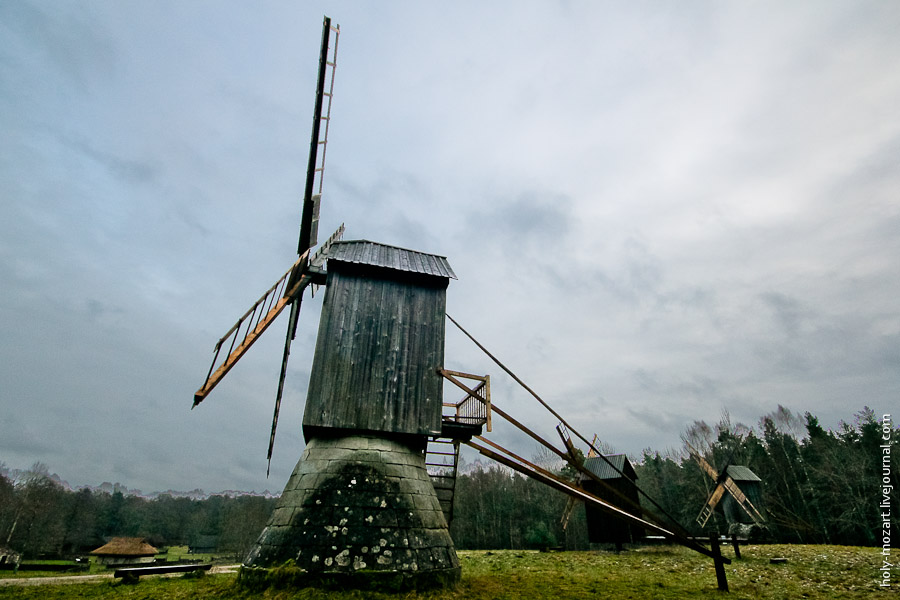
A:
(724, 482)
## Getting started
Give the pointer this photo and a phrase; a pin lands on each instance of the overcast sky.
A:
(657, 212)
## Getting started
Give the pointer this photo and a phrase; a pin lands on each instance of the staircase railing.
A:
(475, 407)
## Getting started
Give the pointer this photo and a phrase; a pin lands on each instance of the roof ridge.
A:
(388, 246)
(394, 258)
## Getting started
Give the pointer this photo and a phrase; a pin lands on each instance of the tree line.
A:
(40, 518)
(819, 486)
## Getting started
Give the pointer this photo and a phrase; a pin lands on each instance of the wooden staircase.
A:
(460, 421)
(442, 461)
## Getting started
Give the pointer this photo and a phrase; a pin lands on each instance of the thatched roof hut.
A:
(125, 550)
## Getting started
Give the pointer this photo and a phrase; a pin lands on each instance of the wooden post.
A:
(737, 547)
(717, 559)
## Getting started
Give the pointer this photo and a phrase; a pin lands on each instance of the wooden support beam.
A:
(719, 561)
(736, 546)
(587, 473)
(590, 445)
(569, 488)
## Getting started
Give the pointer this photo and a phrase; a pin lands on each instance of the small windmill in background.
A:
(307, 270)
(725, 481)
(619, 480)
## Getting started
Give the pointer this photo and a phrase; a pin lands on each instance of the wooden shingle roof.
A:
(742, 473)
(364, 252)
(602, 468)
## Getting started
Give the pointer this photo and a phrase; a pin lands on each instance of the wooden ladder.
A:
(442, 472)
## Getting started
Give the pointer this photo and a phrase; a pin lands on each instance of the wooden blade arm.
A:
(291, 332)
(710, 505)
(215, 376)
(702, 462)
(743, 501)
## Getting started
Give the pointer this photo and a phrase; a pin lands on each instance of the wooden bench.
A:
(132, 574)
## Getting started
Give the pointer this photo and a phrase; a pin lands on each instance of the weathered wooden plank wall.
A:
(380, 343)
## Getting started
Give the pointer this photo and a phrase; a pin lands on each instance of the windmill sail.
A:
(314, 263)
(710, 505)
(312, 199)
(706, 466)
(314, 169)
(288, 290)
(571, 505)
(724, 482)
(259, 316)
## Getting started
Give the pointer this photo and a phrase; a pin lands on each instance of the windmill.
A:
(725, 481)
(360, 506)
(306, 271)
(360, 499)
(612, 478)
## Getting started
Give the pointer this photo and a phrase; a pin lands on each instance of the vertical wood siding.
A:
(380, 343)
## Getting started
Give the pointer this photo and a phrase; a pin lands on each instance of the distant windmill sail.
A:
(724, 482)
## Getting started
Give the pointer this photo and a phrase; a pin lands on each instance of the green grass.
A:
(172, 554)
(5, 574)
(178, 553)
(813, 572)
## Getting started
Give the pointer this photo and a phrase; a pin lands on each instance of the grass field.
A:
(812, 572)
(173, 554)
(178, 553)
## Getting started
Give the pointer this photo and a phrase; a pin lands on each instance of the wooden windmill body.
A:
(380, 342)
(360, 497)
(360, 500)
(604, 528)
(751, 486)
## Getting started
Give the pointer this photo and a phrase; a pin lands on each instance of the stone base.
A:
(358, 505)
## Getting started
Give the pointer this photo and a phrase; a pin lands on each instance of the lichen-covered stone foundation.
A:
(356, 506)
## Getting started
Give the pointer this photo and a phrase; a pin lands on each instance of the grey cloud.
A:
(23, 439)
(677, 387)
(635, 277)
(529, 219)
(660, 420)
(128, 170)
(98, 310)
(77, 47)
(680, 211)
(519, 239)
(788, 313)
